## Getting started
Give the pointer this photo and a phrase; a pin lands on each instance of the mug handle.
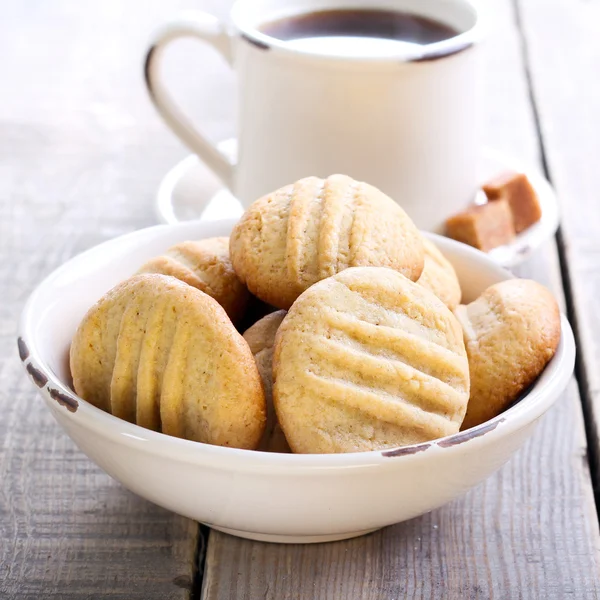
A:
(206, 28)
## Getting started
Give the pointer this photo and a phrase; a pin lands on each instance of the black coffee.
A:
(328, 27)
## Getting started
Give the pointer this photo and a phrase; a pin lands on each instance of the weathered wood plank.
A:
(79, 139)
(563, 46)
(81, 154)
(530, 531)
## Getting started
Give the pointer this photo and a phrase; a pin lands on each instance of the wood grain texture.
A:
(81, 154)
(567, 98)
(528, 532)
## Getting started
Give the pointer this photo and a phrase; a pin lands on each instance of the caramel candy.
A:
(485, 227)
(523, 201)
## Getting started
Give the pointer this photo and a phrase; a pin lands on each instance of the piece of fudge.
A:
(484, 226)
(522, 198)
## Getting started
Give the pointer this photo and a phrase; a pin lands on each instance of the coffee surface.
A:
(351, 31)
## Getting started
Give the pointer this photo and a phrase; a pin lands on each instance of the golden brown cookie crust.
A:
(511, 332)
(439, 276)
(315, 228)
(161, 353)
(261, 339)
(206, 266)
(367, 360)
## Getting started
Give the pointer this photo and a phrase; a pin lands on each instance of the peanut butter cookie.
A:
(206, 266)
(511, 332)
(439, 276)
(261, 339)
(367, 360)
(160, 353)
(312, 229)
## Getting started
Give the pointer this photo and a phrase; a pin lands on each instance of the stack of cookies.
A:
(364, 345)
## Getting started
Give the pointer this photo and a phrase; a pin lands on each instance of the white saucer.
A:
(190, 191)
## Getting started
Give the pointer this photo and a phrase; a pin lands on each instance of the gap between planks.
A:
(491, 557)
(581, 367)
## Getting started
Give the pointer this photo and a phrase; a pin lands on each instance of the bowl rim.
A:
(60, 397)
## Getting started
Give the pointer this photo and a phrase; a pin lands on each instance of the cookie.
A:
(206, 266)
(366, 360)
(261, 339)
(160, 353)
(312, 229)
(511, 332)
(439, 276)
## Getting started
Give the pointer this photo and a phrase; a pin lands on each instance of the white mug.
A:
(405, 120)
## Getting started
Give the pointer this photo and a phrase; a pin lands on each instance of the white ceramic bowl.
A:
(272, 497)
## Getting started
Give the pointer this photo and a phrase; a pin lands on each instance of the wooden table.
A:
(82, 152)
